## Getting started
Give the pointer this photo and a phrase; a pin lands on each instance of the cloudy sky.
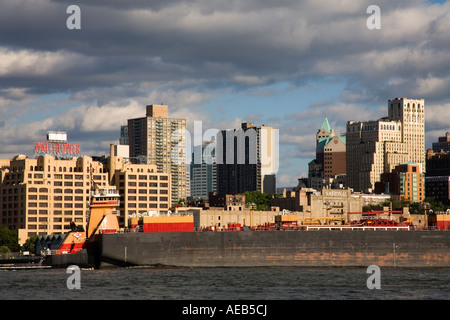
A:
(284, 63)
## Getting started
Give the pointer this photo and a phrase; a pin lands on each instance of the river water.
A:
(280, 283)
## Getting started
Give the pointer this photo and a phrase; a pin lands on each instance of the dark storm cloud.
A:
(221, 43)
(128, 52)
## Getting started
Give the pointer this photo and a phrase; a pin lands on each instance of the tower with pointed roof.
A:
(325, 131)
(330, 154)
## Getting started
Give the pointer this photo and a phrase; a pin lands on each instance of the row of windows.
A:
(64, 169)
(56, 176)
(145, 177)
(150, 205)
(56, 198)
(162, 185)
(45, 227)
(139, 170)
(57, 212)
(45, 190)
(143, 198)
(56, 205)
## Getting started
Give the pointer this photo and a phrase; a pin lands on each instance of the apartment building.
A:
(159, 140)
(405, 182)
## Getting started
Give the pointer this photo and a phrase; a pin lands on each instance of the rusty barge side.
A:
(278, 248)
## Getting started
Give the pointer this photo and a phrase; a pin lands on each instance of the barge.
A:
(155, 240)
(320, 247)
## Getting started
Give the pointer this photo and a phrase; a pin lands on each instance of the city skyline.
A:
(286, 65)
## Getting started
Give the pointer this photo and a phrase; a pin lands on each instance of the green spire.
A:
(326, 125)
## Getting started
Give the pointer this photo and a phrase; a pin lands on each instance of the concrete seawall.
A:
(279, 248)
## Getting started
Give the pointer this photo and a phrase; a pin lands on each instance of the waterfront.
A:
(284, 283)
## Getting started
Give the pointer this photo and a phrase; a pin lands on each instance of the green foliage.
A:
(414, 207)
(435, 205)
(30, 244)
(9, 239)
(261, 200)
(4, 249)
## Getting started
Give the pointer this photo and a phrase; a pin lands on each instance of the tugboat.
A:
(81, 247)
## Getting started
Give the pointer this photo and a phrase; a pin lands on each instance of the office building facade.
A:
(141, 187)
(377, 147)
(437, 180)
(43, 195)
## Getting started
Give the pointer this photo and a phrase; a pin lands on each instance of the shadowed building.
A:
(247, 159)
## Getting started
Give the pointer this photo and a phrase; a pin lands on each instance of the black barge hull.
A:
(86, 258)
(278, 248)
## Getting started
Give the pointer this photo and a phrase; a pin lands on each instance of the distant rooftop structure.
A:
(56, 136)
(443, 143)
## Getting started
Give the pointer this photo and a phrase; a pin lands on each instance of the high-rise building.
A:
(160, 140)
(247, 159)
(376, 147)
(203, 171)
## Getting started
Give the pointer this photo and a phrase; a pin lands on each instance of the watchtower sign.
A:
(56, 145)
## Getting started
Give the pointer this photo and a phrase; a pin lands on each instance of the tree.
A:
(30, 244)
(4, 249)
(436, 206)
(261, 200)
(9, 239)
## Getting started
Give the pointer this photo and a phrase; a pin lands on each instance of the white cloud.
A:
(38, 63)
(432, 86)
